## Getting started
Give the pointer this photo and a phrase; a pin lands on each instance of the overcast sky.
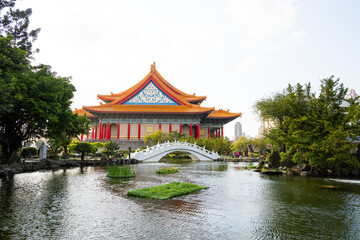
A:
(235, 52)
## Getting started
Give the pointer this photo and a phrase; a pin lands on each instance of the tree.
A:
(314, 129)
(70, 127)
(241, 143)
(31, 101)
(258, 143)
(15, 23)
(110, 149)
(84, 148)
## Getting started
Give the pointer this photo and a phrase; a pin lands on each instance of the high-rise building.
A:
(238, 130)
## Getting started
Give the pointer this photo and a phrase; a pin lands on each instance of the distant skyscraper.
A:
(238, 130)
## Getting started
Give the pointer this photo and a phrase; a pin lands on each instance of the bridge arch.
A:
(158, 151)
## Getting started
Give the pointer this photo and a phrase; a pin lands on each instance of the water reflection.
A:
(82, 203)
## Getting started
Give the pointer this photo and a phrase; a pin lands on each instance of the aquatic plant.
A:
(167, 170)
(250, 166)
(173, 189)
(123, 171)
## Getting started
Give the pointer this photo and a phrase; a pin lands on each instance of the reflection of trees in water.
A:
(6, 208)
(299, 208)
(32, 204)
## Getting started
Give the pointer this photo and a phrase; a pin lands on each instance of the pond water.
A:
(239, 204)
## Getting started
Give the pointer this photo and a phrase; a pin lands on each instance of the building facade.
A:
(150, 105)
(238, 131)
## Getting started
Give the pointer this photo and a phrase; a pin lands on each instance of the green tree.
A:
(15, 23)
(110, 149)
(314, 128)
(84, 148)
(30, 100)
(258, 143)
(70, 127)
(241, 143)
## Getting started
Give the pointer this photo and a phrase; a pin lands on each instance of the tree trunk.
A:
(8, 154)
(82, 155)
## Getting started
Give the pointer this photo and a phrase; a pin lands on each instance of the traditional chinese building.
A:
(153, 104)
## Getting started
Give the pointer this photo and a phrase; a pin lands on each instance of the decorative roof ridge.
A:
(153, 72)
(82, 112)
(140, 85)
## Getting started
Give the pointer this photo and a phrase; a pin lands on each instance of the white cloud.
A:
(298, 34)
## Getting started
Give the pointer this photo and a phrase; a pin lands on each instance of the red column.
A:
(160, 126)
(209, 132)
(95, 132)
(128, 131)
(222, 131)
(118, 135)
(190, 130)
(180, 129)
(170, 128)
(92, 133)
(198, 131)
(100, 130)
(139, 131)
(103, 131)
(81, 137)
(108, 132)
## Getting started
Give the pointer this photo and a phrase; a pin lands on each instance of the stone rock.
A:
(303, 167)
(304, 173)
(274, 160)
(2, 173)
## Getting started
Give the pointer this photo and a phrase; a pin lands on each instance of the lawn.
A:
(173, 189)
(167, 170)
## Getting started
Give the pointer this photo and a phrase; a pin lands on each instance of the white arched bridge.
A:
(155, 153)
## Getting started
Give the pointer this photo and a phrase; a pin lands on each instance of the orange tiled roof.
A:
(82, 112)
(223, 114)
(159, 78)
(169, 109)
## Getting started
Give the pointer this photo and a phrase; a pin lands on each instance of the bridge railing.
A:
(168, 145)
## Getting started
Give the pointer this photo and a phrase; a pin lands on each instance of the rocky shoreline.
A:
(46, 164)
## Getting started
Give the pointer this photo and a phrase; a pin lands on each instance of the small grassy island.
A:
(124, 171)
(173, 189)
(167, 170)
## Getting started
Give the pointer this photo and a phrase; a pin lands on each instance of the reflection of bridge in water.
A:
(155, 153)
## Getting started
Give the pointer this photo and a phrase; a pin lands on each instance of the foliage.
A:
(220, 145)
(30, 100)
(313, 128)
(171, 190)
(70, 127)
(29, 151)
(123, 171)
(167, 170)
(258, 143)
(250, 166)
(84, 148)
(110, 149)
(241, 143)
(15, 23)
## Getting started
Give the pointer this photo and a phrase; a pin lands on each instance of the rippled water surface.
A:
(239, 204)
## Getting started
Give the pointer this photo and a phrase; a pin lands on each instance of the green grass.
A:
(250, 166)
(124, 171)
(173, 189)
(167, 170)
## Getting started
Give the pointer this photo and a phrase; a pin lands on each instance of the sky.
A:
(235, 52)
